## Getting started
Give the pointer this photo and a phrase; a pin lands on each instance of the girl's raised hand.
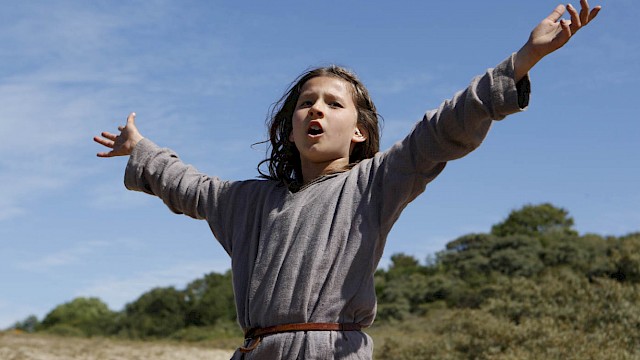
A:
(551, 34)
(123, 144)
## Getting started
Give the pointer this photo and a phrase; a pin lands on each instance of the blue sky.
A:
(201, 76)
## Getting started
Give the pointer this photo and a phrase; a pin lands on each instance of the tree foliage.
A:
(536, 220)
(82, 316)
(531, 288)
(157, 313)
(28, 325)
(210, 300)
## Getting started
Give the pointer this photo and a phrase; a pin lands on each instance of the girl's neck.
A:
(312, 171)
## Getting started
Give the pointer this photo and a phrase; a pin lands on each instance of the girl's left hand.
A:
(551, 34)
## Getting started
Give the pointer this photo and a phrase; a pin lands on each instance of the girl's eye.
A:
(305, 103)
(336, 104)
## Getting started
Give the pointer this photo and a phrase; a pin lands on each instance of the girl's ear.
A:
(358, 136)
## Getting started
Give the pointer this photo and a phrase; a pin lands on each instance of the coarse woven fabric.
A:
(310, 255)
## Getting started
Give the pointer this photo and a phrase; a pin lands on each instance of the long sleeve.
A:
(457, 127)
(159, 171)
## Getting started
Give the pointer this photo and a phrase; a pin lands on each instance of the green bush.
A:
(89, 316)
(28, 325)
(156, 314)
(64, 330)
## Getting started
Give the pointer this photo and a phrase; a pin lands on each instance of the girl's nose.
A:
(315, 113)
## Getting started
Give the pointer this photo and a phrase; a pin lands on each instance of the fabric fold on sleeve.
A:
(142, 153)
(508, 97)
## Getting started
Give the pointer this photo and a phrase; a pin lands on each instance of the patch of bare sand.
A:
(39, 347)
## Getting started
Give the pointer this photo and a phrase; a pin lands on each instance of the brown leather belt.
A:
(256, 334)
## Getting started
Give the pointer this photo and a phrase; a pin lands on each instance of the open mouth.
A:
(315, 129)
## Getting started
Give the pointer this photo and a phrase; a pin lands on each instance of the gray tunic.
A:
(310, 255)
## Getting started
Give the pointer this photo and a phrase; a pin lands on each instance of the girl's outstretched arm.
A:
(551, 34)
(123, 144)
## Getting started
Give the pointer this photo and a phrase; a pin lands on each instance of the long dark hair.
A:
(284, 159)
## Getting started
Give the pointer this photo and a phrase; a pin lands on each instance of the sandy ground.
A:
(37, 347)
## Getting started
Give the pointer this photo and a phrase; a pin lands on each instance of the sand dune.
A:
(15, 346)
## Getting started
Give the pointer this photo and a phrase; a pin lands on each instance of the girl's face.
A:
(325, 123)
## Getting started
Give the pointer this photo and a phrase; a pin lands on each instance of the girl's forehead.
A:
(328, 84)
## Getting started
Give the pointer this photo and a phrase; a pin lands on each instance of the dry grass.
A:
(16, 346)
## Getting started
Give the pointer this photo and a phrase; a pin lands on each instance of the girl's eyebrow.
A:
(313, 94)
(335, 96)
(328, 93)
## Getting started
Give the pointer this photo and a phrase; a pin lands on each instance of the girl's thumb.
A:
(131, 118)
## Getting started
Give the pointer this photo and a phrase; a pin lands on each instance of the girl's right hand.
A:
(123, 144)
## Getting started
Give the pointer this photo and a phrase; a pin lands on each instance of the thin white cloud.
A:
(40, 120)
(24, 180)
(66, 257)
(400, 83)
(67, 83)
(113, 195)
(116, 292)
(8, 211)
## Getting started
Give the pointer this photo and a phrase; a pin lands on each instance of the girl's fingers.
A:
(131, 118)
(566, 30)
(130, 121)
(594, 13)
(556, 14)
(105, 154)
(105, 142)
(584, 17)
(587, 15)
(109, 135)
(575, 18)
(584, 12)
(109, 140)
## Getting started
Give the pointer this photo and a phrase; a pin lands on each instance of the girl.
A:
(306, 239)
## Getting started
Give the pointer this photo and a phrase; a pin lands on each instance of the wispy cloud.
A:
(43, 130)
(47, 98)
(70, 256)
(74, 69)
(116, 292)
(400, 83)
(112, 195)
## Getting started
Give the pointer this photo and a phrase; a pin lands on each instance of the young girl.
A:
(306, 239)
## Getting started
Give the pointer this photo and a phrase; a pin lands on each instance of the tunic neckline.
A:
(295, 188)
